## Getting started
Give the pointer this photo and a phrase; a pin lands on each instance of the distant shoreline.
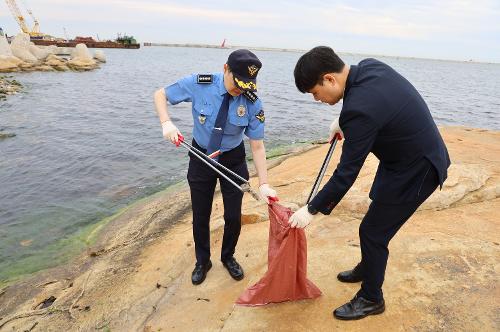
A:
(298, 50)
(225, 47)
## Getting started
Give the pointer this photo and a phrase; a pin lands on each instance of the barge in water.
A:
(120, 42)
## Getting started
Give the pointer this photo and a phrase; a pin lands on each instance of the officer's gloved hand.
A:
(301, 218)
(335, 129)
(171, 132)
(266, 192)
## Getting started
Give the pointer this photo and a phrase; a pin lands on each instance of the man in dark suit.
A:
(382, 113)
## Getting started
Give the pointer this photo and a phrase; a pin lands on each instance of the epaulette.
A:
(205, 79)
(251, 96)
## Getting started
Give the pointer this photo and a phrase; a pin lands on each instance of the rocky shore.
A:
(442, 274)
(8, 86)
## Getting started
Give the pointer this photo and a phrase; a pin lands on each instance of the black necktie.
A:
(220, 123)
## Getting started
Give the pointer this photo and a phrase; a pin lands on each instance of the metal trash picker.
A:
(244, 187)
(323, 168)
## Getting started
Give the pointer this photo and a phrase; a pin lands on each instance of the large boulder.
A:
(44, 68)
(4, 46)
(63, 51)
(9, 63)
(20, 47)
(39, 53)
(52, 49)
(81, 53)
(81, 59)
(99, 56)
(56, 62)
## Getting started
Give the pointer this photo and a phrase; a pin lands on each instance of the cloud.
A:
(405, 26)
(177, 10)
(422, 21)
(374, 23)
(149, 10)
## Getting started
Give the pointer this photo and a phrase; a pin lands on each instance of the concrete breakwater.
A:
(254, 48)
(23, 55)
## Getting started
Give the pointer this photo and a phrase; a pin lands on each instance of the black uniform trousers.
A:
(380, 224)
(202, 181)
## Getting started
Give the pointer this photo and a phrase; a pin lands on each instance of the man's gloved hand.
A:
(335, 129)
(171, 132)
(266, 192)
(301, 218)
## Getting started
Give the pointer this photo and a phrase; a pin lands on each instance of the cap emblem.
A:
(252, 70)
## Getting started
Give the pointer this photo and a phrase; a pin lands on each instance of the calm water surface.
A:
(87, 144)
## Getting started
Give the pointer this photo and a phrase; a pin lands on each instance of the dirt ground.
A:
(442, 274)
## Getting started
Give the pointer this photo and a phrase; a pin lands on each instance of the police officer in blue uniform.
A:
(224, 108)
(382, 113)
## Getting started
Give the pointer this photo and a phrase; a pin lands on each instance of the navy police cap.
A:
(245, 66)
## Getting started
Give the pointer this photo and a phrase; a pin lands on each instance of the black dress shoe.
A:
(358, 308)
(353, 275)
(234, 268)
(200, 272)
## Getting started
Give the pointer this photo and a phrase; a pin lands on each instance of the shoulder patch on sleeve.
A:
(251, 96)
(204, 79)
(260, 116)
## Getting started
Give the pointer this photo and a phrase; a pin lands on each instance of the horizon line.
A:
(297, 50)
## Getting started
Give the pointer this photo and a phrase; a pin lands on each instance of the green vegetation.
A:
(8, 86)
(126, 40)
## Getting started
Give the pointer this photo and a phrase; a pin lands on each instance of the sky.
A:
(441, 29)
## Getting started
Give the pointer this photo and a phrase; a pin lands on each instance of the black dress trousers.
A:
(202, 180)
(380, 224)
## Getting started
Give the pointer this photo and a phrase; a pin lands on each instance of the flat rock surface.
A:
(442, 272)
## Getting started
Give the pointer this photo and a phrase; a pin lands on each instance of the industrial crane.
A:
(14, 9)
(36, 26)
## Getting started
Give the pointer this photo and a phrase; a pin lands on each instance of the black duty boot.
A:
(200, 272)
(353, 275)
(358, 308)
(233, 268)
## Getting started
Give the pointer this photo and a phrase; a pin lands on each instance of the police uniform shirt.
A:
(206, 93)
(384, 114)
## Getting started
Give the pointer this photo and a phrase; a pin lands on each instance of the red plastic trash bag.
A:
(285, 279)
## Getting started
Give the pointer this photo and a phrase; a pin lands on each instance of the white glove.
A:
(301, 218)
(266, 192)
(335, 129)
(170, 132)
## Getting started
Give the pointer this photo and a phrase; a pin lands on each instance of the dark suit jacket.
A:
(384, 114)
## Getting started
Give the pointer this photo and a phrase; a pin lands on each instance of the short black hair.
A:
(312, 65)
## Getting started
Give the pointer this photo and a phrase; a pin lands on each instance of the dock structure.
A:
(224, 47)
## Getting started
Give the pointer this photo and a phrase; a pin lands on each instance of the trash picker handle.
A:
(245, 187)
(323, 168)
(185, 145)
(180, 140)
(213, 162)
